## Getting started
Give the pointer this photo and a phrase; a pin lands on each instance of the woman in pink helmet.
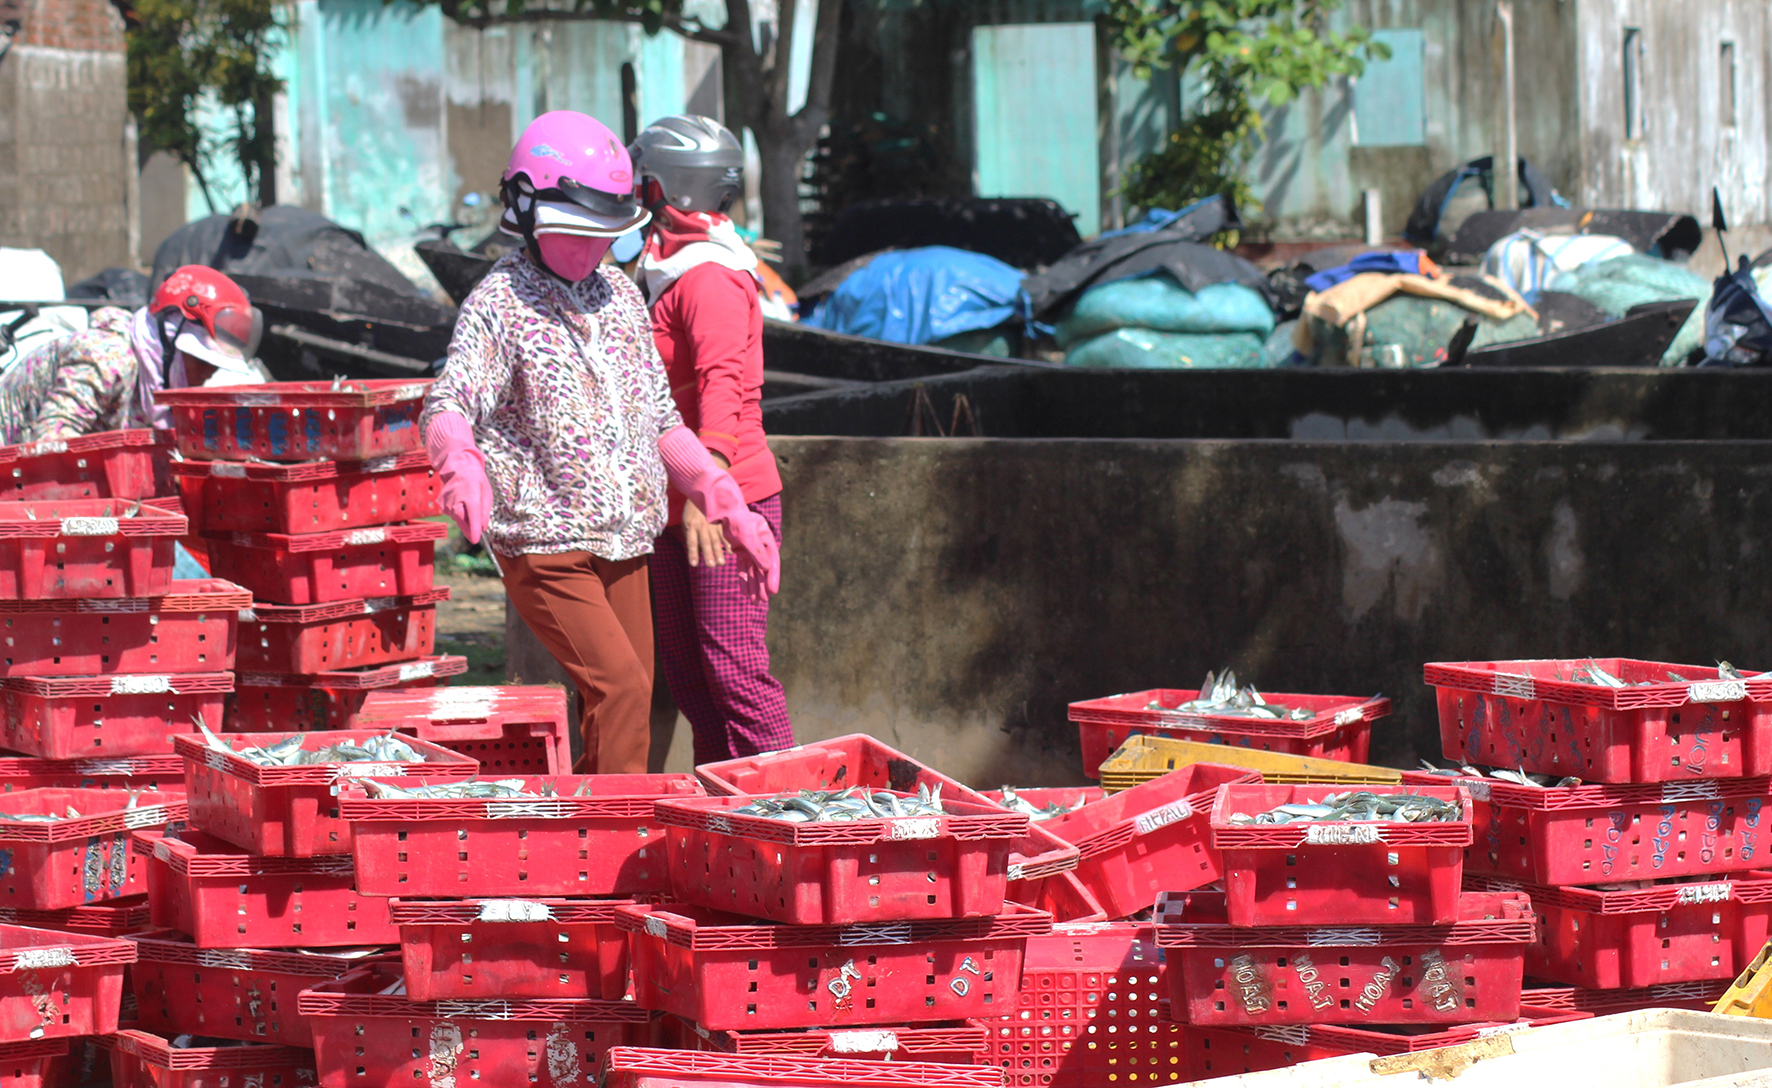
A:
(554, 435)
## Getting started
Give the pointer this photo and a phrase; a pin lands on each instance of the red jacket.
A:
(709, 329)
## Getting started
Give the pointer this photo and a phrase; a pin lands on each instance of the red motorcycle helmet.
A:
(220, 325)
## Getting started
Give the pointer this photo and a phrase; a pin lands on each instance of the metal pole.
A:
(1507, 171)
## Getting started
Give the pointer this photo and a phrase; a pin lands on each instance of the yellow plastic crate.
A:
(1143, 758)
(1751, 995)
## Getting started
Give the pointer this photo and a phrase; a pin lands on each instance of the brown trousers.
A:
(595, 617)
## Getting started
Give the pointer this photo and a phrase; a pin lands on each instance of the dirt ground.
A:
(472, 623)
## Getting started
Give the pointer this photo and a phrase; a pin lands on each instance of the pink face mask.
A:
(572, 256)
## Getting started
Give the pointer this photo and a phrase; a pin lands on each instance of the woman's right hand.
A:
(705, 541)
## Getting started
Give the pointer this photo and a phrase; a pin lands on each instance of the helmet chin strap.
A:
(520, 199)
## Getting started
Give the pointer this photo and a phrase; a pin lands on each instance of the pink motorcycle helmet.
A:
(569, 174)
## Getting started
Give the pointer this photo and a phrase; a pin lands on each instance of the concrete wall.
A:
(951, 596)
(64, 152)
(1685, 147)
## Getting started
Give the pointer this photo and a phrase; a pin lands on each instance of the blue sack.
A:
(1158, 302)
(1391, 261)
(917, 296)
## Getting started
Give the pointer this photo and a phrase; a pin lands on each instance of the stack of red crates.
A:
(253, 902)
(310, 495)
(873, 939)
(1646, 876)
(96, 678)
(1326, 926)
(103, 659)
(506, 909)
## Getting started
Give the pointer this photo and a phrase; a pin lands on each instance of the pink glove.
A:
(466, 493)
(693, 472)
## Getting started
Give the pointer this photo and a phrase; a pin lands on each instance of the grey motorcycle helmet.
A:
(697, 161)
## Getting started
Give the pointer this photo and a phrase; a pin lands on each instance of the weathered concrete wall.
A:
(1685, 147)
(952, 596)
(63, 154)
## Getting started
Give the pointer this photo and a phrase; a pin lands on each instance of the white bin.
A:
(1652, 1048)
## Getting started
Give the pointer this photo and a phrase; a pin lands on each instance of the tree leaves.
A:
(181, 50)
(1239, 53)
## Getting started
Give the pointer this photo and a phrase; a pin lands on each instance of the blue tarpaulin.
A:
(917, 296)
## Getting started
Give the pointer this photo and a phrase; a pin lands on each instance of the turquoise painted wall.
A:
(1034, 99)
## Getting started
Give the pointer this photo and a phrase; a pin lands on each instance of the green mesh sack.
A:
(1278, 348)
(1159, 302)
(1618, 284)
(1422, 327)
(1151, 349)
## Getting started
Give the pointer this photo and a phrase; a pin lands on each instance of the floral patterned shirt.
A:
(568, 399)
(79, 384)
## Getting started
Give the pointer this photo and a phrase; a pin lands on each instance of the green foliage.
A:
(182, 50)
(1242, 55)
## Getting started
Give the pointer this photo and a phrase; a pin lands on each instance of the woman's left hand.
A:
(704, 540)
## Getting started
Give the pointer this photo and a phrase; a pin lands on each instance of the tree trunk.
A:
(781, 155)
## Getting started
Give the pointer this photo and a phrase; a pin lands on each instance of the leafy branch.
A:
(1244, 55)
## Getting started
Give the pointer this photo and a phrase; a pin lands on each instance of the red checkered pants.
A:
(712, 645)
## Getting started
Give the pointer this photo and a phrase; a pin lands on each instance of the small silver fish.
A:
(1014, 802)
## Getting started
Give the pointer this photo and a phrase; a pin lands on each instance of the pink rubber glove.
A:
(466, 493)
(693, 472)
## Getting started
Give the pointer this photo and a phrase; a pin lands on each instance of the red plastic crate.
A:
(633, 1067)
(298, 421)
(1149, 839)
(316, 638)
(1061, 895)
(948, 1044)
(292, 811)
(1630, 939)
(696, 963)
(130, 773)
(1089, 1012)
(317, 568)
(827, 873)
(72, 861)
(396, 1040)
(312, 497)
(1468, 971)
(1228, 1052)
(1531, 715)
(860, 760)
(603, 842)
(223, 897)
(33, 1063)
(112, 918)
(1342, 728)
(1671, 995)
(234, 993)
(1338, 872)
(1610, 834)
(64, 548)
(531, 948)
(58, 985)
(104, 465)
(275, 702)
(191, 629)
(141, 1060)
(512, 731)
(71, 717)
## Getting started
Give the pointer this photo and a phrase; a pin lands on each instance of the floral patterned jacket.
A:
(79, 384)
(568, 399)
